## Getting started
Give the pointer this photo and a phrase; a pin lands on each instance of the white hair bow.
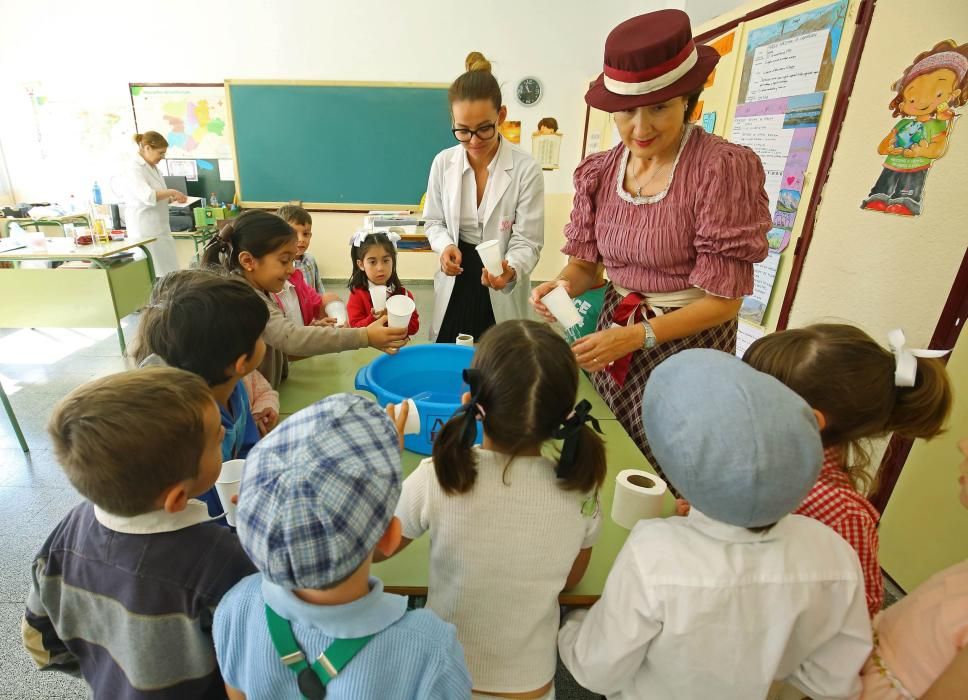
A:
(906, 358)
(361, 235)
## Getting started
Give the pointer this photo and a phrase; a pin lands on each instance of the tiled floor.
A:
(37, 368)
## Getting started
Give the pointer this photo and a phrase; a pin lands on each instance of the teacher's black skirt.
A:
(469, 309)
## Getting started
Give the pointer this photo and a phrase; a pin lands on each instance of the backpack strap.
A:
(311, 678)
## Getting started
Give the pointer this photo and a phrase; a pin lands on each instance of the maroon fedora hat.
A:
(650, 59)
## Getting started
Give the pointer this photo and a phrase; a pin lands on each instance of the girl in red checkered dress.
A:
(863, 391)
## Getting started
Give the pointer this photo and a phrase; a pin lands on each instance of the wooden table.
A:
(98, 297)
(406, 573)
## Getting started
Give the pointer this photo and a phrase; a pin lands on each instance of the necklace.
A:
(638, 192)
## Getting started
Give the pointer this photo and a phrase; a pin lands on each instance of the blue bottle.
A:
(96, 193)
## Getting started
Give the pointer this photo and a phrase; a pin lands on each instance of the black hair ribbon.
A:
(570, 432)
(471, 410)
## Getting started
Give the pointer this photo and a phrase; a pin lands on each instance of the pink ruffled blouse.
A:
(919, 636)
(706, 230)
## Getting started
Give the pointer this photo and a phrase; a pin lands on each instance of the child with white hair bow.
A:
(374, 258)
(861, 391)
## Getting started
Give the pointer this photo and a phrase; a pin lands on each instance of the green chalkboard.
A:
(336, 145)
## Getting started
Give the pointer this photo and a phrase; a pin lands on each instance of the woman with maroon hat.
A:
(676, 217)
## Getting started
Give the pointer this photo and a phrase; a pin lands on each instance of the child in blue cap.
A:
(317, 499)
(739, 593)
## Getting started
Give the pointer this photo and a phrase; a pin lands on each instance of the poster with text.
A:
(794, 56)
(781, 131)
(764, 277)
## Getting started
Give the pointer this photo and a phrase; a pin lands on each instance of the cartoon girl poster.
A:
(931, 87)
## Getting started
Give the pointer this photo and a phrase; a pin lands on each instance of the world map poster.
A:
(192, 118)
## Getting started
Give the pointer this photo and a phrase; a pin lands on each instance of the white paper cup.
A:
(399, 310)
(561, 307)
(465, 339)
(490, 252)
(413, 418)
(379, 297)
(337, 309)
(229, 481)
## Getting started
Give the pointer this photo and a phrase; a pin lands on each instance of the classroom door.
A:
(925, 528)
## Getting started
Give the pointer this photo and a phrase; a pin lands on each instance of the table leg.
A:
(114, 301)
(13, 419)
(151, 264)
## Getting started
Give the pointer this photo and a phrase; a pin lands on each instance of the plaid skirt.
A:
(626, 401)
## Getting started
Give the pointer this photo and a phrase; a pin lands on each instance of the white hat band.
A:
(647, 86)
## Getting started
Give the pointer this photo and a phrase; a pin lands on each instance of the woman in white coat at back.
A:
(146, 199)
(480, 190)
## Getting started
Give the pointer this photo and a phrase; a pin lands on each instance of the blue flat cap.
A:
(738, 444)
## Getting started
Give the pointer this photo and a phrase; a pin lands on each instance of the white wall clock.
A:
(529, 91)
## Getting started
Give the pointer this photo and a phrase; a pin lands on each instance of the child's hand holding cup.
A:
(378, 297)
(336, 310)
(405, 417)
(227, 486)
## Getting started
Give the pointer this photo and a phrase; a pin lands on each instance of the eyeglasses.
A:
(484, 133)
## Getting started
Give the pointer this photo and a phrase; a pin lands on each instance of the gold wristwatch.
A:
(650, 340)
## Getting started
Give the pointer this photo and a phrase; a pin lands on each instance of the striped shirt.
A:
(310, 271)
(705, 230)
(130, 601)
(834, 502)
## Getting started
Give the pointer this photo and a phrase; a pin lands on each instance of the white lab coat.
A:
(694, 608)
(145, 216)
(514, 215)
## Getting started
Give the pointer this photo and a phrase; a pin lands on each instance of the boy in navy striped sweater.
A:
(125, 587)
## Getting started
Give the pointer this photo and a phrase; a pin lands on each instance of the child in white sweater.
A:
(510, 529)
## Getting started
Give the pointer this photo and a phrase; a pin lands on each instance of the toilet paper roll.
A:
(638, 495)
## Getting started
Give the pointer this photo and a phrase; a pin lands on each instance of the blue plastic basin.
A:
(431, 375)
